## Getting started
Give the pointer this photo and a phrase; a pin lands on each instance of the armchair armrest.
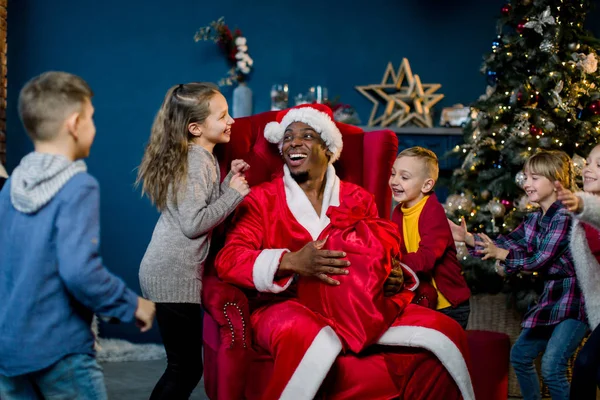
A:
(380, 150)
(228, 306)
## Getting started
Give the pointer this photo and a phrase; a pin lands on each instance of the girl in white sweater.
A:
(585, 247)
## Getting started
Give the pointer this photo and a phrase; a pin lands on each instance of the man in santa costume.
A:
(273, 239)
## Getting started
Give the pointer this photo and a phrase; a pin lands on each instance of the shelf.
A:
(414, 130)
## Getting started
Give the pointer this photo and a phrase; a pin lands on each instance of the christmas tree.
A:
(543, 92)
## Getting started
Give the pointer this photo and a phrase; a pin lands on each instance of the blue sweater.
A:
(52, 279)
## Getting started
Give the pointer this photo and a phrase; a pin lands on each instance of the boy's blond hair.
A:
(46, 100)
(555, 165)
(427, 156)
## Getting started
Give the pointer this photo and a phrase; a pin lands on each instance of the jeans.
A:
(586, 371)
(77, 376)
(180, 325)
(460, 313)
(558, 343)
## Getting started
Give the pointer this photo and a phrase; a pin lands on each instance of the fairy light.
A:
(529, 148)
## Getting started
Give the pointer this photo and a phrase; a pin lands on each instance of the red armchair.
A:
(232, 369)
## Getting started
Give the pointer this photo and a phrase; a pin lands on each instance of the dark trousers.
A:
(180, 325)
(586, 371)
(460, 313)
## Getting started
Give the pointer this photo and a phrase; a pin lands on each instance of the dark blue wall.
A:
(132, 51)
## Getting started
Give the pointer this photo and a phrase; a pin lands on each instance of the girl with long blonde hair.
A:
(556, 324)
(180, 175)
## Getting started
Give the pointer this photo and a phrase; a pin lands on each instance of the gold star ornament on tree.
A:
(404, 98)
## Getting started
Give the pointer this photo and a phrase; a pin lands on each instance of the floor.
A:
(135, 380)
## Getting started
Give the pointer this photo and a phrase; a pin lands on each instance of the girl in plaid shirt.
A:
(557, 323)
(585, 246)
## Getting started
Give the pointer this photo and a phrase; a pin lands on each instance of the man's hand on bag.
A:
(395, 281)
(312, 260)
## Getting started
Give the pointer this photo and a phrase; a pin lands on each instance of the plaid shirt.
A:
(541, 244)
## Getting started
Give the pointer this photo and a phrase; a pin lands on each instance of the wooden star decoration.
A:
(406, 99)
(392, 82)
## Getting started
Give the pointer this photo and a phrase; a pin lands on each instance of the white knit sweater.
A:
(587, 268)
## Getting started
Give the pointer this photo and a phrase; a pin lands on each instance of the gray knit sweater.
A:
(171, 270)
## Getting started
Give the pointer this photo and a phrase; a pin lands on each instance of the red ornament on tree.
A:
(520, 97)
(534, 130)
(521, 26)
(594, 107)
(506, 9)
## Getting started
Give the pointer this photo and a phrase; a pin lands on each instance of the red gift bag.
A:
(357, 309)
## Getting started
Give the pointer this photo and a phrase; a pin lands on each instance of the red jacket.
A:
(437, 254)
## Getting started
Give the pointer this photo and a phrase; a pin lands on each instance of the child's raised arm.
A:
(568, 198)
(460, 233)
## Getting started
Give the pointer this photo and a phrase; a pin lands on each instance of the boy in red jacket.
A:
(427, 246)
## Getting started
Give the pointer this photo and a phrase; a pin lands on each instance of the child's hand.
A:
(490, 250)
(395, 281)
(144, 314)
(568, 198)
(238, 182)
(460, 233)
(239, 166)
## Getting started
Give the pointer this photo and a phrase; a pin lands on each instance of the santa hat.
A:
(317, 116)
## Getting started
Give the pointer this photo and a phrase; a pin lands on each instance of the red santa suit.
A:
(277, 217)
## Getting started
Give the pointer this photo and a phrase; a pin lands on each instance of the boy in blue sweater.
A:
(51, 276)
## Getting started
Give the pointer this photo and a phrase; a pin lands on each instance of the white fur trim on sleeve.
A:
(406, 268)
(591, 209)
(264, 270)
(440, 345)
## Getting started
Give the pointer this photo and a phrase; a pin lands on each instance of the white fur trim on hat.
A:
(319, 121)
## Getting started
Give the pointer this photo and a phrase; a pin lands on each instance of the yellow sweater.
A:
(410, 232)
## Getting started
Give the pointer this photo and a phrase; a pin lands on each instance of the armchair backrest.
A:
(366, 158)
